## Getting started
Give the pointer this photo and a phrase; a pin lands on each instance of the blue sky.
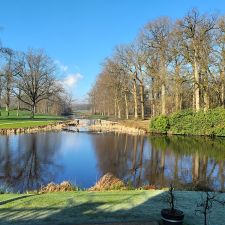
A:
(79, 34)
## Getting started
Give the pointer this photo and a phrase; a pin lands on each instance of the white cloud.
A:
(62, 67)
(71, 80)
(67, 78)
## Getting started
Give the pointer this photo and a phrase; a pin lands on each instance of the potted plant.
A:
(171, 215)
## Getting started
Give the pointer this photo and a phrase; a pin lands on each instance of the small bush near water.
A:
(160, 124)
(187, 122)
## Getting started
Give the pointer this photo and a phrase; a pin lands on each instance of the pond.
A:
(28, 161)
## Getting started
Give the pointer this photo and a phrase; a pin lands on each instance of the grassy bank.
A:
(139, 124)
(24, 120)
(97, 207)
(187, 122)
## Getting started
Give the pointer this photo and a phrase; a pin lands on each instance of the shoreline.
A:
(117, 127)
(28, 130)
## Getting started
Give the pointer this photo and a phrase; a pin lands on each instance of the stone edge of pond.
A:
(49, 127)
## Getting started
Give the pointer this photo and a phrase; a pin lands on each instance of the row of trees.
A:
(28, 81)
(171, 65)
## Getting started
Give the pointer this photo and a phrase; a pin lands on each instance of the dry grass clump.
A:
(52, 187)
(108, 182)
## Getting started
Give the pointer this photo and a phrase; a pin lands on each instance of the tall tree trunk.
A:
(163, 98)
(8, 94)
(177, 89)
(7, 109)
(206, 100)
(206, 91)
(18, 108)
(108, 112)
(119, 111)
(177, 99)
(33, 110)
(154, 109)
(142, 102)
(8, 84)
(126, 106)
(115, 107)
(135, 99)
(151, 98)
(163, 87)
(193, 99)
(196, 85)
(18, 103)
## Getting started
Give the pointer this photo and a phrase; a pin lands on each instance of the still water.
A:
(28, 161)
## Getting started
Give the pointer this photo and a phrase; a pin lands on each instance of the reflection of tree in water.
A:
(196, 160)
(120, 154)
(28, 161)
(185, 160)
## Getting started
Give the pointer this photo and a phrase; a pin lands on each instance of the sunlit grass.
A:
(24, 119)
(98, 207)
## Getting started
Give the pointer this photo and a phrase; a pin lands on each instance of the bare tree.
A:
(173, 65)
(196, 31)
(35, 79)
(205, 206)
(8, 74)
(220, 50)
(157, 36)
(127, 58)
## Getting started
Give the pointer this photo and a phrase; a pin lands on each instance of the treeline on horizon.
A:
(28, 82)
(170, 66)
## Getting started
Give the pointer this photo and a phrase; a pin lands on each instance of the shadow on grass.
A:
(81, 213)
(96, 209)
(14, 199)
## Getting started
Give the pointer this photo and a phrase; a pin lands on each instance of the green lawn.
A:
(24, 120)
(97, 207)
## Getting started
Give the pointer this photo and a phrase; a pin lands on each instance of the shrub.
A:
(159, 124)
(211, 123)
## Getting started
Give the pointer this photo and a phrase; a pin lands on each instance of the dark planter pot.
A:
(169, 217)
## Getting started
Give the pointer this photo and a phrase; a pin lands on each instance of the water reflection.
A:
(27, 161)
(157, 160)
(31, 160)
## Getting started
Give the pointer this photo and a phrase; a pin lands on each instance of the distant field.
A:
(24, 120)
(87, 115)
